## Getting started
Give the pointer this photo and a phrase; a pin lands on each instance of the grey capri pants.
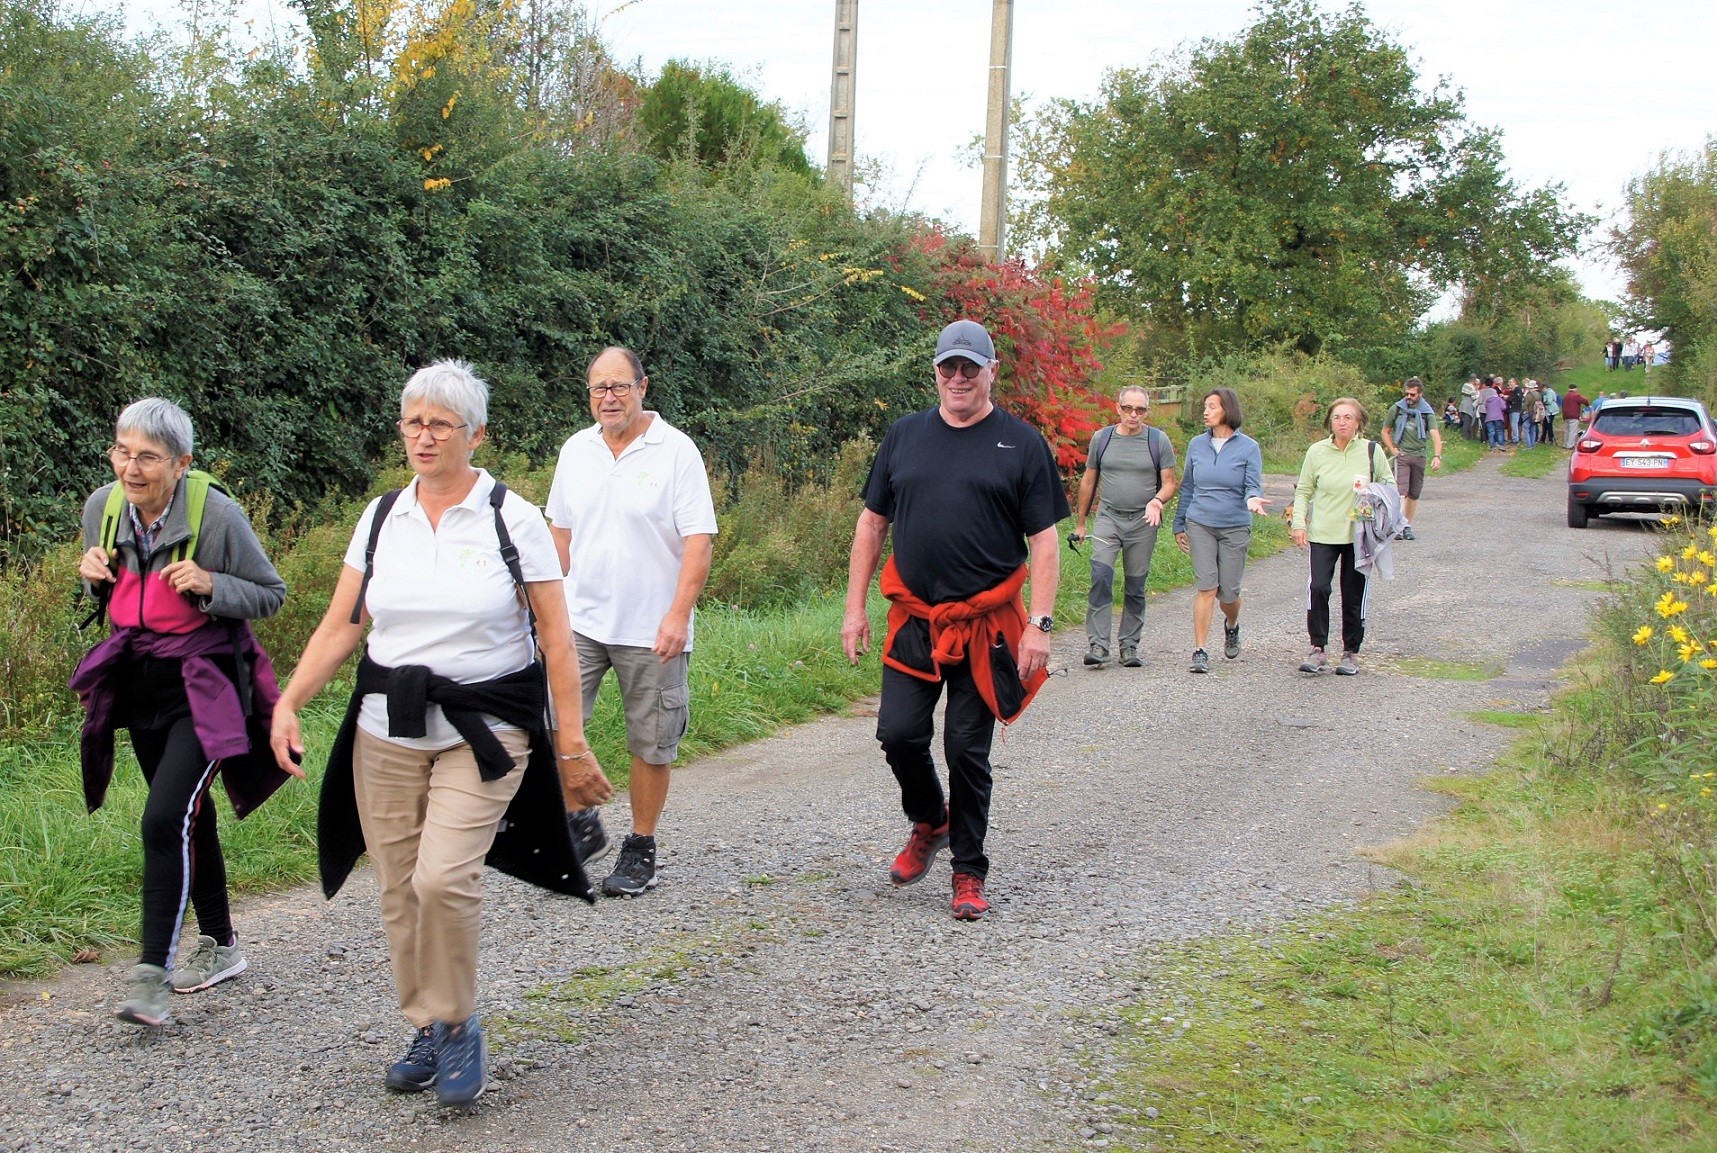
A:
(1218, 558)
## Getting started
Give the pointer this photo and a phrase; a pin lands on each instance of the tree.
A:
(1669, 249)
(718, 120)
(1292, 183)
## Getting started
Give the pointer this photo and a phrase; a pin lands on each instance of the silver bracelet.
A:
(573, 756)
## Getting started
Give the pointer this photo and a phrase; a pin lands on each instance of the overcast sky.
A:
(1588, 94)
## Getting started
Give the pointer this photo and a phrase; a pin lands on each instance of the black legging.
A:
(1354, 588)
(181, 850)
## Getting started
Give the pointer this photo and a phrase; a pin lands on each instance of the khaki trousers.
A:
(429, 819)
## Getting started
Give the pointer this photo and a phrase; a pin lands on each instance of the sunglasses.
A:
(958, 364)
(1133, 409)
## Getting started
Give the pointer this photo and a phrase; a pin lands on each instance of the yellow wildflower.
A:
(1664, 563)
(1671, 521)
(1713, 531)
(1686, 653)
(1707, 557)
(1642, 635)
(1669, 605)
(1705, 792)
(1678, 634)
(1690, 552)
(436, 184)
(1708, 663)
(1664, 676)
(1697, 577)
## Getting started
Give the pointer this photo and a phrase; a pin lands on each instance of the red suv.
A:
(1644, 454)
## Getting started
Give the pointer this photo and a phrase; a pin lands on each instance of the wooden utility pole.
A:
(842, 93)
(992, 218)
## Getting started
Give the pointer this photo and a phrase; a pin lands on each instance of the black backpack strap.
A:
(1099, 446)
(384, 506)
(510, 551)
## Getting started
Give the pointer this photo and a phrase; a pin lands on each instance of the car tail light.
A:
(1591, 445)
(1704, 447)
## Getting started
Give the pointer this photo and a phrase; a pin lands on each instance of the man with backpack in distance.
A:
(631, 514)
(1406, 427)
(1129, 476)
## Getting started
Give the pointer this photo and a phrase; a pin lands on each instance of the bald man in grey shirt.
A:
(1129, 478)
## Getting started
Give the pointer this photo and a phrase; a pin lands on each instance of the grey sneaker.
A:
(461, 1073)
(415, 1072)
(589, 838)
(1130, 659)
(1096, 655)
(150, 993)
(1200, 661)
(635, 871)
(1231, 641)
(1349, 666)
(1407, 533)
(1315, 662)
(210, 965)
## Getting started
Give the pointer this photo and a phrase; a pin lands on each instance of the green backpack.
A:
(197, 486)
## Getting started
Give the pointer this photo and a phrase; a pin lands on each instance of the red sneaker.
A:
(921, 848)
(969, 903)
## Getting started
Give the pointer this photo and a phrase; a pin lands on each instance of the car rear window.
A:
(1647, 422)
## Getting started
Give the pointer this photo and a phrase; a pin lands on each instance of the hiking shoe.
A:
(461, 1074)
(969, 903)
(415, 1072)
(635, 870)
(1407, 533)
(1200, 661)
(1315, 662)
(150, 992)
(1096, 655)
(589, 838)
(1349, 666)
(921, 849)
(1231, 641)
(1130, 659)
(211, 964)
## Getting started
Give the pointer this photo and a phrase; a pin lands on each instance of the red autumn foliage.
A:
(1047, 335)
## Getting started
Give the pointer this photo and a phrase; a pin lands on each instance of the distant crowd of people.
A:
(1627, 354)
(1506, 413)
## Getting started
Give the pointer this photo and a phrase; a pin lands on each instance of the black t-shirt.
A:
(963, 500)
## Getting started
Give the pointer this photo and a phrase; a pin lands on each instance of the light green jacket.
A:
(1326, 487)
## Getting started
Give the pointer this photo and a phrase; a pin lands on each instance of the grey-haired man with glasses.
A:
(631, 513)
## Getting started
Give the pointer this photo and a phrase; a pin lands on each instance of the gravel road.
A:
(777, 992)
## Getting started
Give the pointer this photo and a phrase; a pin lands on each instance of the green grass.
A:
(1431, 669)
(1535, 462)
(1506, 718)
(1525, 990)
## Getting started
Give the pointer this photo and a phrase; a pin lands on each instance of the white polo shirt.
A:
(629, 518)
(443, 597)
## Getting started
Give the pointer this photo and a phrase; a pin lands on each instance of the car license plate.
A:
(1644, 460)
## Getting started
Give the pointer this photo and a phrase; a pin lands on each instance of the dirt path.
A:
(776, 992)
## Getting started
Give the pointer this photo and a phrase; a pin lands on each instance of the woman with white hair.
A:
(175, 564)
(445, 733)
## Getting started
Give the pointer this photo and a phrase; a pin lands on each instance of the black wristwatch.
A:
(1046, 623)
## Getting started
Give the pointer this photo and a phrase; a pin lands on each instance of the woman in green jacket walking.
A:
(1335, 470)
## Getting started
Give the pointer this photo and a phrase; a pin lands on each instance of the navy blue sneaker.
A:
(461, 1073)
(415, 1072)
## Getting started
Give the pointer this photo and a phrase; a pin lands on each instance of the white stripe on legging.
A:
(185, 863)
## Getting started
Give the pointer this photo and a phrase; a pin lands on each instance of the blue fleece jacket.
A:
(1214, 486)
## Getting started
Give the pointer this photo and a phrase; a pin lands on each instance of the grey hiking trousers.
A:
(1125, 536)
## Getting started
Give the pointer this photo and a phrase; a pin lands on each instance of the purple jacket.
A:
(228, 732)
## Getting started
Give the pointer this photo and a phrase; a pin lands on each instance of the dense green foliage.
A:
(717, 120)
(277, 250)
(1669, 248)
(1292, 183)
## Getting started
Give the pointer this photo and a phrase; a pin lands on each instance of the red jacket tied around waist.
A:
(984, 629)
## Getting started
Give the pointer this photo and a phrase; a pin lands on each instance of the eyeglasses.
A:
(147, 461)
(624, 388)
(958, 364)
(412, 428)
(1134, 409)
